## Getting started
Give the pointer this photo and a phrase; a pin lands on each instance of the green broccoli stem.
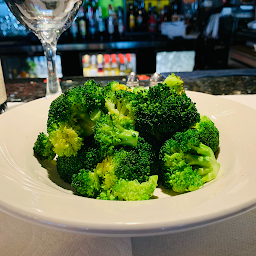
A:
(95, 115)
(121, 107)
(111, 107)
(87, 127)
(127, 137)
(87, 122)
(171, 159)
(206, 161)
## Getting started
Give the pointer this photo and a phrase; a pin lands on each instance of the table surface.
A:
(235, 236)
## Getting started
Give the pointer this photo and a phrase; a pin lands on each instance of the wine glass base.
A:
(49, 93)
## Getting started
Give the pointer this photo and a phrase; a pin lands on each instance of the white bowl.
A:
(31, 193)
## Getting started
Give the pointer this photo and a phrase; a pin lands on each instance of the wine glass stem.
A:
(53, 85)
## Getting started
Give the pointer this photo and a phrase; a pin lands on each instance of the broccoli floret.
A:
(140, 89)
(163, 112)
(86, 183)
(174, 82)
(183, 154)
(78, 109)
(113, 86)
(111, 130)
(126, 190)
(208, 133)
(126, 164)
(65, 141)
(118, 99)
(87, 158)
(180, 176)
(43, 148)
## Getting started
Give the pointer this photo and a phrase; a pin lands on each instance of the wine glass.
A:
(47, 19)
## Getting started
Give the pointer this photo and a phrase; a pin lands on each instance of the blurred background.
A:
(115, 37)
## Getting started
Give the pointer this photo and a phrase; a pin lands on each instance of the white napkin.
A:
(19, 238)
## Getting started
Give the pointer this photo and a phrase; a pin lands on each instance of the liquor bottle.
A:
(165, 13)
(144, 15)
(128, 64)
(111, 25)
(81, 20)
(93, 67)
(92, 23)
(107, 67)
(120, 23)
(149, 11)
(94, 5)
(169, 10)
(139, 19)
(131, 18)
(86, 4)
(74, 30)
(101, 25)
(152, 22)
(122, 66)
(114, 65)
(86, 65)
(100, 71)
(3, 96)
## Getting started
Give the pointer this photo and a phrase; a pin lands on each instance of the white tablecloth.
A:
(232, 237)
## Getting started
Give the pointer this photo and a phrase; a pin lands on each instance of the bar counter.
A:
(215, 82)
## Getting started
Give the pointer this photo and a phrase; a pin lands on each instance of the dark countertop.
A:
(245, 34)
(216, 82)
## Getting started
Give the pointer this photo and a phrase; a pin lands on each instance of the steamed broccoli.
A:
(208, 133)
(43, 148)
(186, 162)
(125, 168)
(162, 112)
(113, 130)
(179, 175)
(113, 143)
(87, 158)
(86, 183)
(73, 115)
(130, 163)
(125, 190)
(65, 140)
(174, 82)
(118, 99)
(140, 89)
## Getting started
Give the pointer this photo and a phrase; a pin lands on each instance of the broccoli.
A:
(125, 190)
(131, 163)
(180, 176)
(113, 142)
(140, 89)
(86, 183)
(87, 158)
(125, 168)
(113, 130)
(208, 133)
(118, 99)
(184, 158)
(127, 163)
(73, 116)
(162, 112)
(65, 140)
(174, 82)
(43, 148)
